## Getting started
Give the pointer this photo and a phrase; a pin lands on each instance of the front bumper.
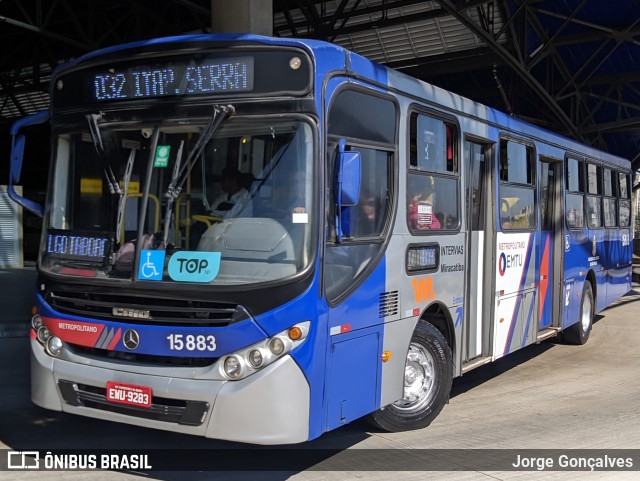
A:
(268, 407)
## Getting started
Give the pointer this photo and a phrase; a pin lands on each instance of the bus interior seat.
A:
(251, 248)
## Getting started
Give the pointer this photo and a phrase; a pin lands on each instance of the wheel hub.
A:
(419, 379)
(410, 375)
(587, 312)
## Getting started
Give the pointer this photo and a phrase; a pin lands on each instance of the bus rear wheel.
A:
(578, 333)
(427, 383)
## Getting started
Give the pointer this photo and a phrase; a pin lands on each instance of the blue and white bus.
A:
(262, 239)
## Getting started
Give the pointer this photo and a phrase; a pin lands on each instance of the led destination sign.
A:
(208, 76)
(77, 246)
(221, 73)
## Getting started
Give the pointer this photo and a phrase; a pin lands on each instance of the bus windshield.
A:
(242, 214)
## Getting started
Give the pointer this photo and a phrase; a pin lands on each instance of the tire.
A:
(428, 377)
(578, 333)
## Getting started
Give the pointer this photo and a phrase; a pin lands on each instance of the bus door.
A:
(551, 247)
(477, 327)
(515, 266)
(354, 271)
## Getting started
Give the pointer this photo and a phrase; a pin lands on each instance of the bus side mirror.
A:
(350, 178)
(348, 174)
(17, 156)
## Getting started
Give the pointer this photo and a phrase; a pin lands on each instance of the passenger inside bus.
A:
(368, 212)
(421, 212)
(235, 198)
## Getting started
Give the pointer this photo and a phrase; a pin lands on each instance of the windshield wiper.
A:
(167, 214)
(96, 137)
(181, 171)
(124, 192)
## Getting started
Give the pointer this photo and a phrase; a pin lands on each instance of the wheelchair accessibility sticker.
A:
(194, 266)
(151, 265)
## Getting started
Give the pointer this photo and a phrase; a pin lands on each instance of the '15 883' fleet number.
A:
(180, 342)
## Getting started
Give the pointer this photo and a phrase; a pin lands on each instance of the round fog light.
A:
(54, 346)
(43, 334)
(276, 346)
(232, 367)
(36, 322)
(255, 358)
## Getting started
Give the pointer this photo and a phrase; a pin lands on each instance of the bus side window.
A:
(625, 199)
(432, 182)
(365, 119)
(609, 200)
(575, 186)
(594, 191)
(517, 192)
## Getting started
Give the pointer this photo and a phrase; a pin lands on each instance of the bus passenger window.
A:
(517, 208)
(432, 184)
(594, 212)
(367, 217)
(574, 211)
(516, 162)
(365, 224)
(625, 200)
(609, 211)
(432, 144)
(594, 189)
(517, 193)
(575, 186)
(429, 205)
(420, 211)
(625, 213)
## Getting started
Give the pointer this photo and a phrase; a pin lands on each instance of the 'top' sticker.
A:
(194, 266)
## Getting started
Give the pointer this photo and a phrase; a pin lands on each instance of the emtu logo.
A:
(502, 264)
(507, 261)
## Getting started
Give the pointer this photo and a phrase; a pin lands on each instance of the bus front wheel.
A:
(427, 383)
(578, 333)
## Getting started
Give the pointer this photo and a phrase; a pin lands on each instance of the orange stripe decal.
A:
(544, 279)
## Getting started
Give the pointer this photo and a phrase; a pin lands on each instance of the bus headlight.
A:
(276, 346)
(233, 367)
(241, 364)
(43, 334)
(36, 322)
(54, 346)
(255, 358)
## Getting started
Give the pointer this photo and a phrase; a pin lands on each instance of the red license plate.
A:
(130, 394)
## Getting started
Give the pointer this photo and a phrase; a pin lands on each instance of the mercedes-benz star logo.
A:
(131, 339)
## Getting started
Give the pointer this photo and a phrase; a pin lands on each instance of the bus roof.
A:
(359, 66)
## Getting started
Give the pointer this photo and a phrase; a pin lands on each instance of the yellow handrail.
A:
(177, 220)
(156, 220)
(208, 220)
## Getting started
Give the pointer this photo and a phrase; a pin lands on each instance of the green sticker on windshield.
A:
(162, 156)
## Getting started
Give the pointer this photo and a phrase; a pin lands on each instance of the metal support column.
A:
(242, 16)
